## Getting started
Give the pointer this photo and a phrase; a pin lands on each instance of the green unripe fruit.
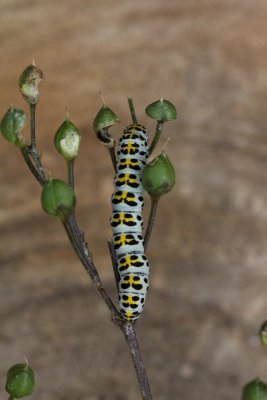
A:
(67, 140)
(263, 334)
(255, 390)
(105, 118)
(28, 83)
(20, 381)
(161, 110)
(158, 176)
(57, 199)
(12, 123)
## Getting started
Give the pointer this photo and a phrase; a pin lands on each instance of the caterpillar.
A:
(126, 221)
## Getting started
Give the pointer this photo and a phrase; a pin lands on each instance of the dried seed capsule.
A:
(67, 140)
(20, 381)
(105, 118)
(28, 83)
(158, 176)
(12, 123)
(161, 110)
(255, 390)
(57, 199)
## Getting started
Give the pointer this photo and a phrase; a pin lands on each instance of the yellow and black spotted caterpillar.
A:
(126, 221)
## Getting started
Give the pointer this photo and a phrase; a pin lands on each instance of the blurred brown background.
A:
(208, 250)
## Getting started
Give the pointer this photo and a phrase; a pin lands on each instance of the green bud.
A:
(158, 176)
(161, 110)
(20, 381)
(67, 140)
(263, 334)
(12, 123)
(105, 118)
(255, 390)
(57, 199)
(28, 83)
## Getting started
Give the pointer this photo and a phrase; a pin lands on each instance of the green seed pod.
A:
(67, 140)
(161, 110)
(20, 381)
(105, 118)
(12, 123)
(255, 390)
(158, 176)
(263, 333)
(57, 199)
(28, 83)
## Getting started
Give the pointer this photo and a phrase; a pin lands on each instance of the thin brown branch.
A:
(151, 219)
(132, 110)
(70, 165)
(112, 153)
(128, 329)
(156, 137)
(79, 244)
(32, 148)
(77, 240)
(39, 177)
(114, 262)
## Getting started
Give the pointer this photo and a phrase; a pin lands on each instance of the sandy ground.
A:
(208, 250)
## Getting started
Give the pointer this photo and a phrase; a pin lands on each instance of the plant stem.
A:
(151, 219)
(128, 329)
(25, 153)
(77, 240)
(156, 137)
(104, 136)
(33, 150)
(32, 114)
(132, 110)
(70, 165)
(114, 262)
(78, 243)
(112, 154)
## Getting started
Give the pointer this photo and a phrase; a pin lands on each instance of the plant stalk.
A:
(156, 137)
(114, 263)
(77, 240)
(104, 136)
(33, 150)
(78, 243)
(25, 153)
(70, 165)
(151, 220)
(112, 154)
(131, 339)
(132, 110)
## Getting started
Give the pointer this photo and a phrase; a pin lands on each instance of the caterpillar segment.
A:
(127, 224)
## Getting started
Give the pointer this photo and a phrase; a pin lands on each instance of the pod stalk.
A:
(132, 110)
